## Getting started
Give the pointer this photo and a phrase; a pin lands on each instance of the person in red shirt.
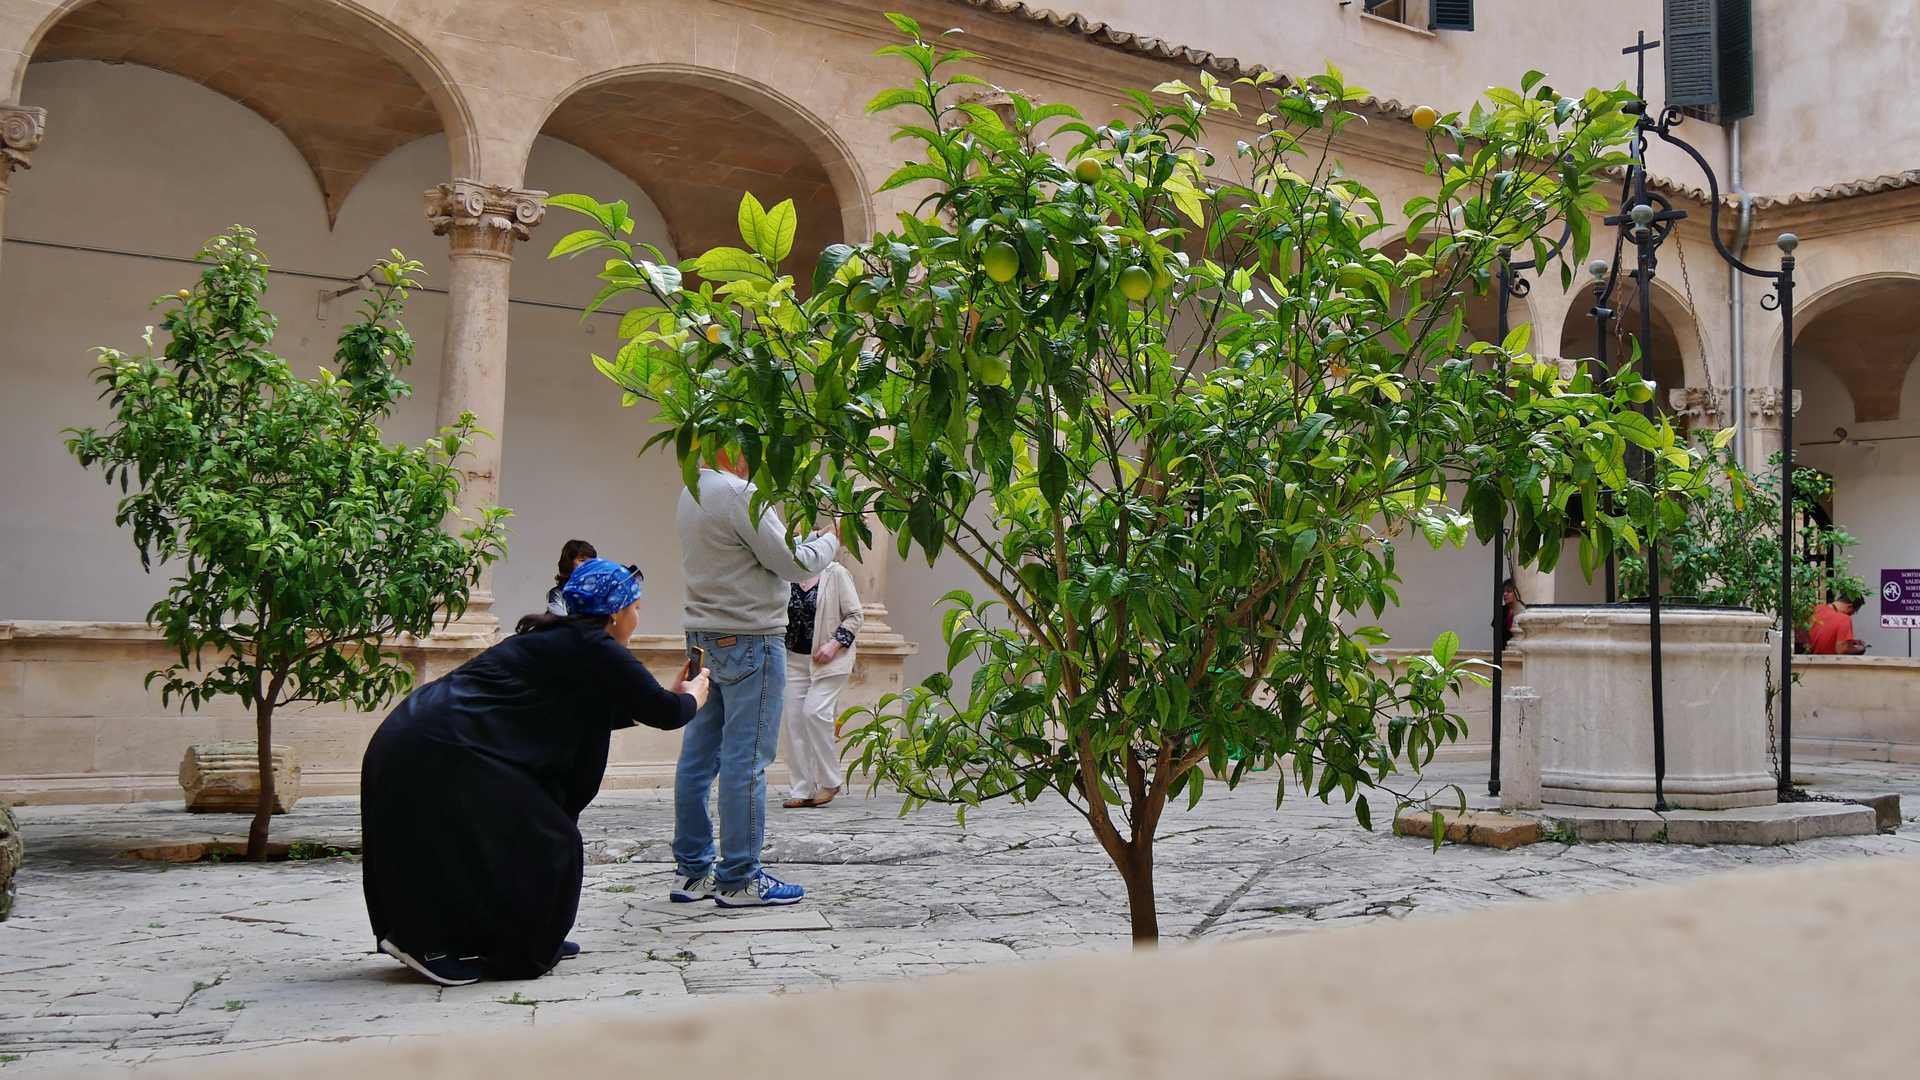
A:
(1832, 630)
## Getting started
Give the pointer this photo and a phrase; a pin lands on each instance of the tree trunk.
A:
(263, 814)
(1137, 872)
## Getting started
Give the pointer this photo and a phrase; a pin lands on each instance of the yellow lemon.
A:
(1002, 262)
(1135, 283)
(1425, 117)
(1088, 171)
(713, 333)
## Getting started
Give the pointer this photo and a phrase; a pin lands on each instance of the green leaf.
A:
(581, 204)
(904, 25)
(1053, 476)
(782, 222)
(664, 279)
(1517, 338)
(753, 224)
(578, 241)
(831, 260)
(1446, 647)
(731, 264)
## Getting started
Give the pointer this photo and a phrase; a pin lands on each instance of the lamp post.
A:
(1648, 218)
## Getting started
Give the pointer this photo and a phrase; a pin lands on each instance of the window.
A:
(1424, 14)
(1709, 58)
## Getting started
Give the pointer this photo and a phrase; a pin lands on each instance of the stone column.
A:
(481, 223)
(21, 128)
(880, 655)
(1764, 420)
(870, 578)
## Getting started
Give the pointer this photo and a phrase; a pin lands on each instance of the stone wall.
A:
(76, 724)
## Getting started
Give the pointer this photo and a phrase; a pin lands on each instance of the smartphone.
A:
(696, 659)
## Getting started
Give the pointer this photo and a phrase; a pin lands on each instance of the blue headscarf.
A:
(600, 587)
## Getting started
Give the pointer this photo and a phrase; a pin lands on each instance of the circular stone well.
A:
(1591, 666)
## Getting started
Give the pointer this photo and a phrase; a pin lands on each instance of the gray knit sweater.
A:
(736, 571)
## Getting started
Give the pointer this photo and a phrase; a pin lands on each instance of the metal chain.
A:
(1693, 312)
(1773, 742)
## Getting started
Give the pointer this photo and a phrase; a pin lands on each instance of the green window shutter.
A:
(1692, 54)
(1735, 26)
(1451, 15)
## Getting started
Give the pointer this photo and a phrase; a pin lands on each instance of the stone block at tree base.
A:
(1471, 827)
(224, 778)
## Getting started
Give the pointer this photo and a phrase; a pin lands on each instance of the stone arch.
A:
(1677, 357)
(694, 138)
(1866, 330)
(344, 85)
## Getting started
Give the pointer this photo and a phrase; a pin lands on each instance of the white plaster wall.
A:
(101, 179)
(1876, 483)
(1576, 45)
(148, 162)
(1834, 84)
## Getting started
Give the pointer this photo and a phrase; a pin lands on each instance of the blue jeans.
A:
(734, 736)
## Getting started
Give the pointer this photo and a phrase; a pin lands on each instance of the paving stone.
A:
(889, 898)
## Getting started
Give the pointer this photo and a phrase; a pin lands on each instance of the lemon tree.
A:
(303, 542)
(1172, 426)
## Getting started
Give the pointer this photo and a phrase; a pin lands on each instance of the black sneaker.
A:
(568, 950)
(441, 968)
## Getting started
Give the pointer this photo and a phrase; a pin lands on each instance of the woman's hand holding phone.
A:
(694, 684)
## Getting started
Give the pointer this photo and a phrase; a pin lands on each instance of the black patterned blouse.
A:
(803, 605)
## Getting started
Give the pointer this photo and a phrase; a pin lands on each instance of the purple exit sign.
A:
(1900, 599)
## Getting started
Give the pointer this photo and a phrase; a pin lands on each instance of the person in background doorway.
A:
(1831, 633)
(736, 564)
(823, 618)
(1511, 606)
(572, 554)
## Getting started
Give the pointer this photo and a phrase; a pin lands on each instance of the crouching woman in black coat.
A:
(471, 790)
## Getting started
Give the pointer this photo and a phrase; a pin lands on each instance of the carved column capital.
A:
(21, 128)
(1764, 405)
(1698, 407)
(484, 219)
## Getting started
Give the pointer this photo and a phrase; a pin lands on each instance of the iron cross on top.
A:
(1639, 53)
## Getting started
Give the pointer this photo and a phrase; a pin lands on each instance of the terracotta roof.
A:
(1102, 34)
(1826, 193)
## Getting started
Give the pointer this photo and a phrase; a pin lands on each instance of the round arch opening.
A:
(345, 89)
(696, 141)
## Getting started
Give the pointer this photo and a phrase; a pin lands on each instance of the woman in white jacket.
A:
(823, 618)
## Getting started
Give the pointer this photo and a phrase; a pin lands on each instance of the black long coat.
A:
(471, 792)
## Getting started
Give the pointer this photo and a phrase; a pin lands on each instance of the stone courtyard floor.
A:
(108, 962)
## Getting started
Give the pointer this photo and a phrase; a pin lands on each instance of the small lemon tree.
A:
(1172, 425)
(303, 542)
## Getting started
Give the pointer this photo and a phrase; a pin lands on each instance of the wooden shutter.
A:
(1452, 15)
(1693, 60)
(1735, 27)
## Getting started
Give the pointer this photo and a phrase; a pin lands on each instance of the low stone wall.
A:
(77, 725)
(1857, 707)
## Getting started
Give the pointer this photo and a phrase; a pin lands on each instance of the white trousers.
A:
(813, 766)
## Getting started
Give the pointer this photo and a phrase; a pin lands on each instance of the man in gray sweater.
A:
(736, 571)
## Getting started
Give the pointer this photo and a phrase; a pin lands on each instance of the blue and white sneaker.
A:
(762, 890)
(686, 890)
